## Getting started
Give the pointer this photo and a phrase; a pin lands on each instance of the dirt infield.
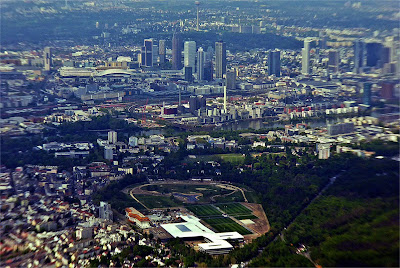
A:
(260, 225)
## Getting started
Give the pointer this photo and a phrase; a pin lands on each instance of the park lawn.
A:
(232, 158)
(236, 197)
(158, 201)
(233, 209)
(204, 210)
(201, 158)
(222, 224)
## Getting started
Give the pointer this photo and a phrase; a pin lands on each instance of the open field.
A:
(233, 158)
(222, 224)
(233, 197)
(234, 209)
(204, 210)
(199, 193)
(158, 202)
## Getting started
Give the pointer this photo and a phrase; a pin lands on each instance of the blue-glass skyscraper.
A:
(274, 63)
(367, 93)
(358, 55)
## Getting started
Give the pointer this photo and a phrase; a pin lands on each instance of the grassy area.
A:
(207, 191)
(232, 158)
(158, 201)
(234, 209)
(236, 197)
(199, 158)
(252, 196)
(226, 225)
(204, 210)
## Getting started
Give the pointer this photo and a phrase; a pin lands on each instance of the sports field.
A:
(233, 158)
(204, 210)
(222, 224)
(234, 209)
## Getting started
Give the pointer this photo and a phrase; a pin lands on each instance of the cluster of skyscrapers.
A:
(371, 54)
(367, 54)
(196, 61)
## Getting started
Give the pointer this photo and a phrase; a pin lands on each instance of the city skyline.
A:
(199, 134)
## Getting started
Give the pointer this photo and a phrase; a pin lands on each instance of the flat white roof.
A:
(192, 228)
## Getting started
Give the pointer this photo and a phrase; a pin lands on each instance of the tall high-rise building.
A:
(200, 64)
(367, 93)
(155, 54)
(105, 211)
(193, 104)
(176, 51)
(47, 58)
(231, 80)
(358, 48)
(209, 54)
(189, 53)
(197, 3)
(188, 74)
(385, 56)
(374, 53)
(274, 63)
(220, 59)
(322, 40)
(208, 70)
(147, 53)
(112, 137)
(390, 42)
(333, 60)
(305, 52)
(162, 50)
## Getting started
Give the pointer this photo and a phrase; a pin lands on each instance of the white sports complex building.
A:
(192, 229)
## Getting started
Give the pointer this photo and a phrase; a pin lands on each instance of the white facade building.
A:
(112, 137)
(192, 228)
(190, 55)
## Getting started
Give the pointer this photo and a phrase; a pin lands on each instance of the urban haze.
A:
(211, 133)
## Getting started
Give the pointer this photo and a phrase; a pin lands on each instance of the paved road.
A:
(137, 200)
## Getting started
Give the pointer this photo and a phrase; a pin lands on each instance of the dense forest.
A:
(354, 223)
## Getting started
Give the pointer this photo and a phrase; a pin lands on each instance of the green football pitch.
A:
(222, 224)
